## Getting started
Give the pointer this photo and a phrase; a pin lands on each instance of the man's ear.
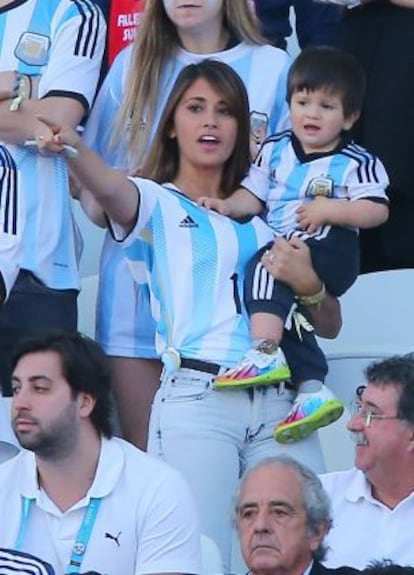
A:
(351, 119)
(86, 403)
(317, 535)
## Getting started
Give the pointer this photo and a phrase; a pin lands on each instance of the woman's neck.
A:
(198, 185)
(209, 42)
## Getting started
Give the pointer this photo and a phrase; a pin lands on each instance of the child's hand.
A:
(314, 214)
(219, 206)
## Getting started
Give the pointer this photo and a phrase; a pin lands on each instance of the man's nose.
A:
(21, 398)
(355, 423)
(262, 522)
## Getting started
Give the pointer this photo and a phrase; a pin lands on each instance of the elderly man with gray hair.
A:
(282, 517)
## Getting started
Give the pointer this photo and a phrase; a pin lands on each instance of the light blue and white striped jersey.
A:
(11, 219)
(62, 41)
(123, 328)
(284, 177)
(195, 260)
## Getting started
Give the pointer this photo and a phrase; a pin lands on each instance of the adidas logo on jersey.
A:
(188, 222)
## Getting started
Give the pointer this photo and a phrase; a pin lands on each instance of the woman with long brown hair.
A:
(171, 35)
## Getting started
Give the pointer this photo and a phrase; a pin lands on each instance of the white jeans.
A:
(212, 437)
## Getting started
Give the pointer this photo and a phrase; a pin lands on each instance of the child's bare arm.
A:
(362, 213)
(241, 203)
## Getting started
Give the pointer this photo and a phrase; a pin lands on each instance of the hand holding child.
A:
(290, 262)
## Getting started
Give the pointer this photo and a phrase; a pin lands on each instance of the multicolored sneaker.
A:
(309, 412)
(256, 368)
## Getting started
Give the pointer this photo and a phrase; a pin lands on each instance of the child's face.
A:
(318, 119)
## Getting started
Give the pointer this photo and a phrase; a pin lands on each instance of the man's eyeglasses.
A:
(366, 414)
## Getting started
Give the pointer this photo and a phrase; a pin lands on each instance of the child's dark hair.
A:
(330, 69)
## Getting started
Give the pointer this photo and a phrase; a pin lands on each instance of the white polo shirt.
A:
(146, 522)
(363, 528)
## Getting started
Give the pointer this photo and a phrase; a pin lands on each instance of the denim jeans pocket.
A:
(186, 385)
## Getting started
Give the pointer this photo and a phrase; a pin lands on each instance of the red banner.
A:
(123, 22)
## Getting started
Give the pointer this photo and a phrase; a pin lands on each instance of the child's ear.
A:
(351, 119)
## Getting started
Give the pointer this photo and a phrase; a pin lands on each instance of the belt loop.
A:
(281, 387)
(223, 369)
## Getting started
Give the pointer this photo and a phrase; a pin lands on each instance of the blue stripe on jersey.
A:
(160, 290)
(62, 255)
(2, 29)
(8, 192)
(294, 182)
(142, 251)
(280, 107)
(41, 25)
(100, 126)
(274, 139)
(203, 284)
(248, 244)
(337, 169)
(29, 177)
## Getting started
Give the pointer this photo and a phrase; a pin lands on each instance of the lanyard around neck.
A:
(82, 538)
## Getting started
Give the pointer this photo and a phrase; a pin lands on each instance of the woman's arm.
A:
(115, 193)
(87, 201)
(292, 265)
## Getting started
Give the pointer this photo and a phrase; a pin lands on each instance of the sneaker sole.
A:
(298, 430)
(267, 379)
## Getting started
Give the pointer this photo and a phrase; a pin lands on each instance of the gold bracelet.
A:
(314, 299)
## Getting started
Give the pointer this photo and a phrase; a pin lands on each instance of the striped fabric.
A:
(11, 222)
(283, 176)
(60, 42)
(17, 563)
